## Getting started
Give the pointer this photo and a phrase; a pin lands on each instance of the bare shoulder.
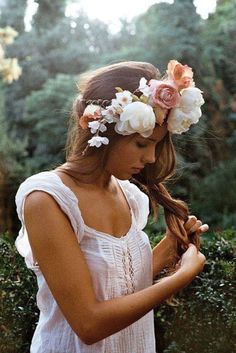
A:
(55, 246)
(39, 200)
(47, 225)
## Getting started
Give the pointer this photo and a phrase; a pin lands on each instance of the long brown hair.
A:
(99, 88)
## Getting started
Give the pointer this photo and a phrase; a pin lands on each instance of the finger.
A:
(195, 227)
(190, 222)
(191, 249)
(204, 228)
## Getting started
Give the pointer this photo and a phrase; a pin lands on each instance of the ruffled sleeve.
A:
(139, 202)
(66, 199)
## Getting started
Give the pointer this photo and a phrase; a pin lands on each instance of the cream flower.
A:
(136, 117)
(109, 114)
(116, 106)
(92, 112)
(191, 98)
(97, 141)
(143, 87)
(91, 109)
(7, 35)
(124, 98)
(96, 125)
(179, 121)
(10, 70)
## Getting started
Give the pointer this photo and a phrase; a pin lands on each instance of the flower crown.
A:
(174, 95)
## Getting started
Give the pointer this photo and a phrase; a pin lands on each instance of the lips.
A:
(137, 169)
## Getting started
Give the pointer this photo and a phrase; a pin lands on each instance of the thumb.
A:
(190, 244)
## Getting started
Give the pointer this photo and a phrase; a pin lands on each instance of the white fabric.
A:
(118, 266)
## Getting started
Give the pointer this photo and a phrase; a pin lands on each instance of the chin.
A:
(122, 176)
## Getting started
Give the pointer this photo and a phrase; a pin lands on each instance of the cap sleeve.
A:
(139, 202)
(51, 183)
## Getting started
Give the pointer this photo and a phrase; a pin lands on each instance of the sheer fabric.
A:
(119, 266)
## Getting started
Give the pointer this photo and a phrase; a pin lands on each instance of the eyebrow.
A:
(148, 138)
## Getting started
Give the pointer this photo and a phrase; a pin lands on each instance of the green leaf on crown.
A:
(119, 89)
(135, 98)
(143, 99)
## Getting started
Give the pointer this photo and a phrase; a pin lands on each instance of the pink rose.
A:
(164, 94)
(182, 75)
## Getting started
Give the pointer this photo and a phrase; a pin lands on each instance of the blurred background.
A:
(59, 40)
(44, 48)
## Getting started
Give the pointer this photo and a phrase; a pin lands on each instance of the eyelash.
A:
(140, 145)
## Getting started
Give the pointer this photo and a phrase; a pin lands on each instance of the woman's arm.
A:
(64, 267)
(165, 252)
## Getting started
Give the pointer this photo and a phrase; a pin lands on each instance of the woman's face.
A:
(131, 153)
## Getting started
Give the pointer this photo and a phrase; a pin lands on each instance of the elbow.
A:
(89, 334)
(88, 338)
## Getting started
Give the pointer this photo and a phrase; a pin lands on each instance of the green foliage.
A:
(48, 14)
(220, 45)
(11, 150)
(214, 197)
(204, 321)
(13, 18)
(18, 308)
(45, 120)
(179, 39)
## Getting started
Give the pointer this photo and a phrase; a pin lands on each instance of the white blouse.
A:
(118, 266)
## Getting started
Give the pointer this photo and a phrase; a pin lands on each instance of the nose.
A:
(150, 155)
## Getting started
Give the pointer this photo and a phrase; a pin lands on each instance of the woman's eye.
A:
(141, 145)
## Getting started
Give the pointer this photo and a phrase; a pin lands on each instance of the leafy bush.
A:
(204, 321)
(19, 312)
(214, 197)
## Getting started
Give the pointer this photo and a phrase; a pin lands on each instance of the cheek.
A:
(124, 156)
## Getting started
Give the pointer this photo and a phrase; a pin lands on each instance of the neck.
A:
(99, 180)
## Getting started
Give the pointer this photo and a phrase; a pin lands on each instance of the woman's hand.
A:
(191, 225)
(192, 261)
(195, 225)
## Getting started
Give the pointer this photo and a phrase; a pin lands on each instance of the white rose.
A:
(191, 98)
(98, 141)
(179, 121)
(195, 115)
(137, 117)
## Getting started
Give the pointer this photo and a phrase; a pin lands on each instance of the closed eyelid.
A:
(148, 141)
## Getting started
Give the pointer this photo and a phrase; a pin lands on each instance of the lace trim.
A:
(127, 262)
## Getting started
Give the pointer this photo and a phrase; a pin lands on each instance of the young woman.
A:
(82, 223)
